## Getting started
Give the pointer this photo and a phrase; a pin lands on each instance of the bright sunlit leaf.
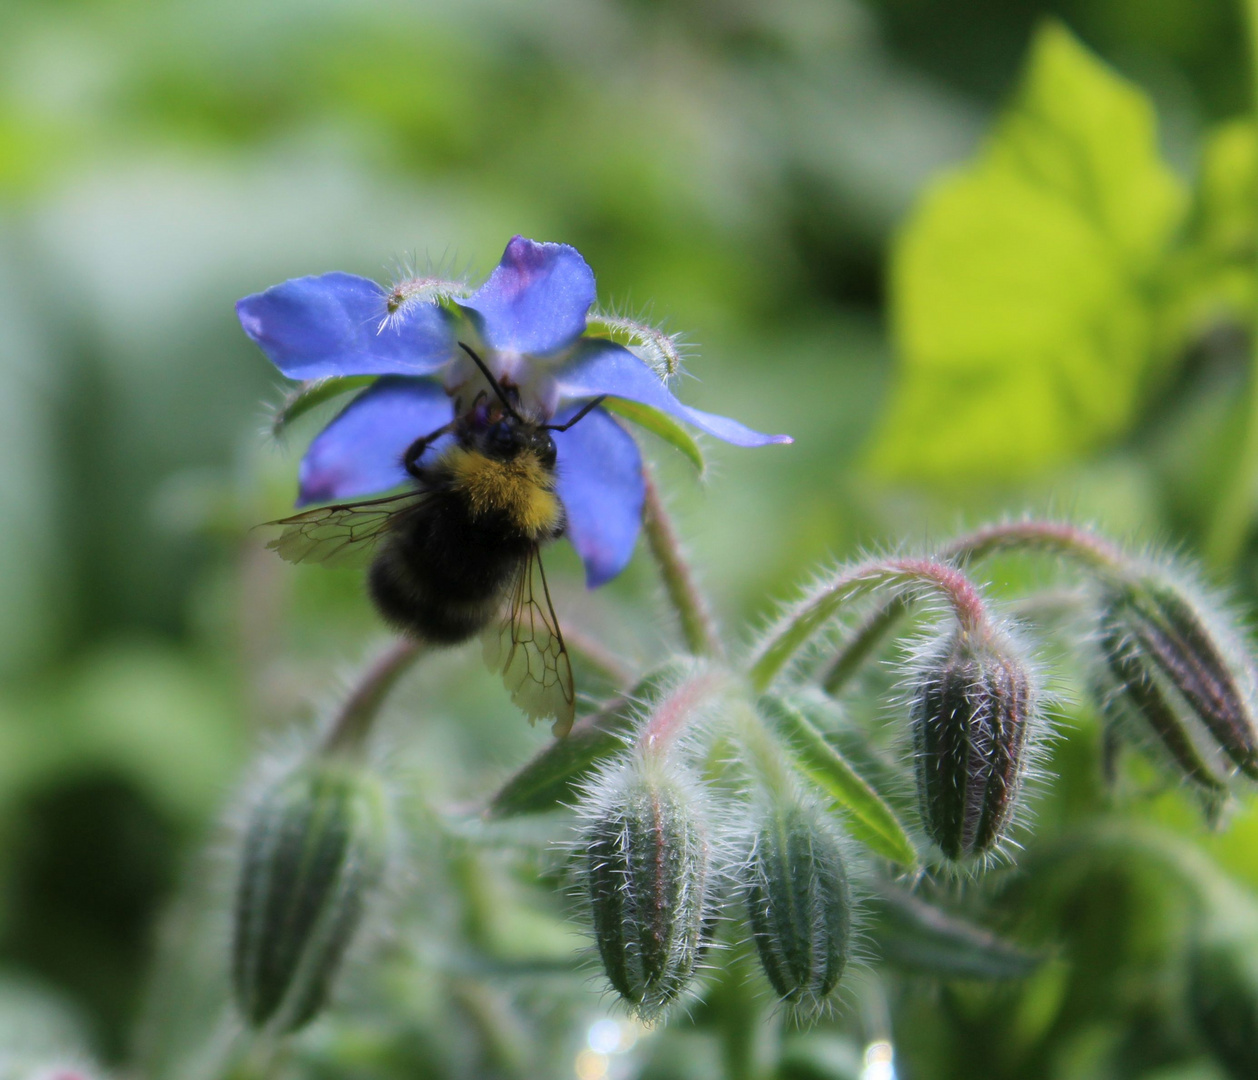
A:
(1021, 284)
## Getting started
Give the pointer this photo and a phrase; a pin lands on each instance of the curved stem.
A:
(676, 709)
(1235, 510)
(698, 628)
(353, 723)
(1058, 537)
(857, 649)
(797, 627)
(764, 752)
(598, 656)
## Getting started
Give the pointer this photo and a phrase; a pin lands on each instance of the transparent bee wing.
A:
(527, 648)
(340, 535)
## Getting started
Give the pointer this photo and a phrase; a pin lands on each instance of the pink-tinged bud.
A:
(1180, 667)
(645, 852)
(314, 852)
(973, 706)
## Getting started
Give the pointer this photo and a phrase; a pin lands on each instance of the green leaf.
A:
(916, 936)
(661, 424)
(1214, 274)
(1229, 173)
(553, 775)
(1023, 285)
(310, 395)
(866, 813)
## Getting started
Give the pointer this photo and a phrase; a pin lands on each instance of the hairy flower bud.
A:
(972, 707)
(314, 851)
(646, 856)
(799, 903)
(1182, 671)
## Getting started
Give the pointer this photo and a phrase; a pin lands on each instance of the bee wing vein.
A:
(342, 533)
(528, 648)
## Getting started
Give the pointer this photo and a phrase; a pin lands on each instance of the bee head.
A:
(508, 438)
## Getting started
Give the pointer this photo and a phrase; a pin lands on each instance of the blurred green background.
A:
(737, 169)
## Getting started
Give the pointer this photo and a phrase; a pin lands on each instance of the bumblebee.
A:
(460, 553)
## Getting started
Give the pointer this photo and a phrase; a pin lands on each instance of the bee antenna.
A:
(492, 382)
(589, 405)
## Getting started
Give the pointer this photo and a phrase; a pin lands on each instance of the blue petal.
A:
(338, 324)
(603, 367)
(601, 487)
(360, 452)
(536, 299)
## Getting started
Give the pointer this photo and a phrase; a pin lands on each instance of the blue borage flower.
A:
(528, 323)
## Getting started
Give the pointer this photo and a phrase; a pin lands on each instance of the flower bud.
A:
(1183, 672)
(645, 851)
(972, 707)
(799, 903)
(314, 851)
(1223, 999)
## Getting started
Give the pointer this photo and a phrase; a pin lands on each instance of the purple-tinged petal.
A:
(360, 452)
(536, 299)
(339, 324)
(603, 367)
(601, 488)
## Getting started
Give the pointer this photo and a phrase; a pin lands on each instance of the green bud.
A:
(1223, 998)
(1182, 671)
(646, 853)
(972, 708)
(799, 903)
(314, 851)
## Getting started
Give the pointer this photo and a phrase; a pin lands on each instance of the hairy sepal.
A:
(647, 869)
(310, 395)
(1175, 662)
(974, 715)
(799, 902)
(314, 852)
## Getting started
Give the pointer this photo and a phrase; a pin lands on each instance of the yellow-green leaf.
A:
(867, 815)
(308, 395)
(1021, 283)
(658, 423)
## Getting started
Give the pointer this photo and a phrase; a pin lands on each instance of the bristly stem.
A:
(856, 649)
(798, 626)
(353, 723)
(698, 628)
(598, 656)
(677, 708)
(1055, 536)
(1234, 512)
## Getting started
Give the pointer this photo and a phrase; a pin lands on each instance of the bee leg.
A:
(410, 460)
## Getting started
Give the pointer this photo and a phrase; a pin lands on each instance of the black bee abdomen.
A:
(442, 574)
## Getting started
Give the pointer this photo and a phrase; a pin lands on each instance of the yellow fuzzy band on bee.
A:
(521, 488)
